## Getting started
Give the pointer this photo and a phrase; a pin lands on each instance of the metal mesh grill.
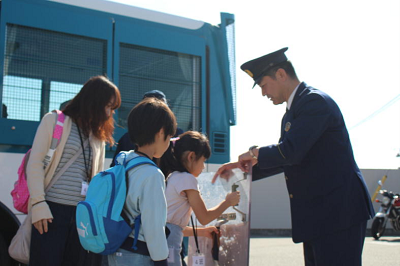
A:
(177, 75)
(43, 69)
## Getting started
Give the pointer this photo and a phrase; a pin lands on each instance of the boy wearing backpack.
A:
(151, 124)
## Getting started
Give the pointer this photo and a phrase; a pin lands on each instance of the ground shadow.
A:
(389, 240)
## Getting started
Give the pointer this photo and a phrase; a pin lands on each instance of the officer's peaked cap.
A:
(156, 94)
(257, 68)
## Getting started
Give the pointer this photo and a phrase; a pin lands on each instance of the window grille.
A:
(43, 69)
(177, 75)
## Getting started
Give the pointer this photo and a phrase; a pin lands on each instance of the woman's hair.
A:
(147, 118)
(88, 108)
(175, 158)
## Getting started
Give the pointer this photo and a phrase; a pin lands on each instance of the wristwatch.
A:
(251, 151)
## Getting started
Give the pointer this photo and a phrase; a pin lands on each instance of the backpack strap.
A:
(123, 155)
(137, 223)
(57, 133)
(140, 160)
(58, 128)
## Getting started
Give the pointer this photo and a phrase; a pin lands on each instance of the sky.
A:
(349, 49)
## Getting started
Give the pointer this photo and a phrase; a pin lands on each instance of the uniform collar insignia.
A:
(287, 126)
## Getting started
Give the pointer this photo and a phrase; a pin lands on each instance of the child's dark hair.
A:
(174, 158)
(147, 118)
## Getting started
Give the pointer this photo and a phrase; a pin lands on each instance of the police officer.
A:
(330, 204)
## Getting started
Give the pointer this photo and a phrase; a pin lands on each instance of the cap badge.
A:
(287, 126)
(248, 72)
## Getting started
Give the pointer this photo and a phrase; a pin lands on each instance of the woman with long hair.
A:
(88, 125)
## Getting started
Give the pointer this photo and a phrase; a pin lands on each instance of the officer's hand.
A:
(246, 161)
(42, 225)
(225, 171)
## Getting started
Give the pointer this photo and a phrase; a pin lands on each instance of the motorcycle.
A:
(389, 210)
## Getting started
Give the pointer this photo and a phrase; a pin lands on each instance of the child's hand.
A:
(233, 198)
(207, 231)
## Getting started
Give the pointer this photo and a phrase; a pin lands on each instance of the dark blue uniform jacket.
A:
(326, 188)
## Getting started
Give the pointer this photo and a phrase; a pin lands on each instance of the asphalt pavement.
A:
(281, 251)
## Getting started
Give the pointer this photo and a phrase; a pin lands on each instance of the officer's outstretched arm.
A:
(225, 171)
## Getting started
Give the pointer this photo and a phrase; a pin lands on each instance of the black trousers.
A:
(342, 248)
(60, 246)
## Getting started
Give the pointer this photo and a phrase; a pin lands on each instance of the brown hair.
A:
(88, 108)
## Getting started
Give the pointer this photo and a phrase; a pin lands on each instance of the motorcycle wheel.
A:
(377, 228)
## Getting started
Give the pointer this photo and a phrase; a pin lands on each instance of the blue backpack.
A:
(101, 228)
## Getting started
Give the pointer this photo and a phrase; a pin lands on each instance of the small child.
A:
(184, 162)
(151, 124)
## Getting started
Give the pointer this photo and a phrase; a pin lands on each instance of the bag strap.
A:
(58, 128)
(65, 167)
(137, 223)
(57, 133)
(195, 235)
(137, 161)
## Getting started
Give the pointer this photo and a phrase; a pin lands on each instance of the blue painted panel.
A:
(57, 17)
(2, 52)
(17, 132)
(163, 37)
(219, 91)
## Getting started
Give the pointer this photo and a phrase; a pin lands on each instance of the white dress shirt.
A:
(289, 102)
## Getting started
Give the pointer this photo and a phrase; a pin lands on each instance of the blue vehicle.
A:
(48, 49)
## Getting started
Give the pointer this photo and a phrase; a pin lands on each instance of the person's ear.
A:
(191, 156)
(160, 134)
(280, 74)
